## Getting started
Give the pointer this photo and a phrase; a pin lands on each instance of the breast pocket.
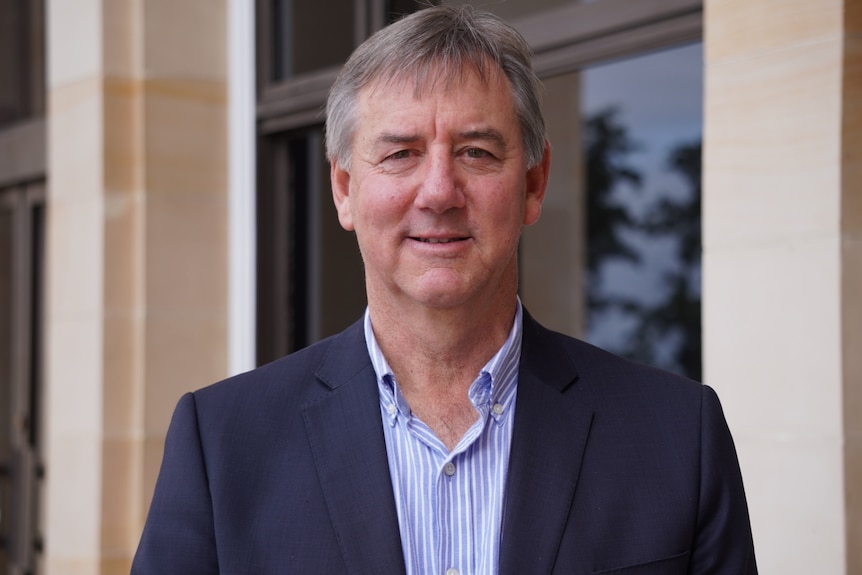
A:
(676, 564)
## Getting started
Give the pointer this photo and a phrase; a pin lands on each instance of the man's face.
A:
(438, 190)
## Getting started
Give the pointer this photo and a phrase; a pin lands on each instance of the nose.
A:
(440, 189)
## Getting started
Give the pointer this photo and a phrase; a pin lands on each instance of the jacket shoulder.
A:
(294, 378)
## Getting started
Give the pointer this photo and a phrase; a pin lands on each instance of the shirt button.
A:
(390, 409)
(452, 571)
(497, 409)
(449, 469)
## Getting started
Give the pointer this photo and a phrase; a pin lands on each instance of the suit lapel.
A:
(548, 443)
(346, 436)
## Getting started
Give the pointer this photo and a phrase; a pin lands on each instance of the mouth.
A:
(439, 240)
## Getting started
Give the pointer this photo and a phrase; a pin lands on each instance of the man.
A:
(446, 432)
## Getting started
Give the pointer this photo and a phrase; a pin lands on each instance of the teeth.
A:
(438, 240)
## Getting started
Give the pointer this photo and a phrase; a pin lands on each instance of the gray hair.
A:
(434, 43)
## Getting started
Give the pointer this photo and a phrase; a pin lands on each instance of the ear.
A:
(340, 179)
(537, 183)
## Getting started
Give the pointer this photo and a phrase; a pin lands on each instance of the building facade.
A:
(165, 221)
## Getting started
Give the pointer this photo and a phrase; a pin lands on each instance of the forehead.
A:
(465, 90)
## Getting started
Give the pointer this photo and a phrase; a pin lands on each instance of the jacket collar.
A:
(346, 436)
(548, 443)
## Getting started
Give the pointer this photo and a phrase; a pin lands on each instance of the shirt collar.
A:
(492, 392)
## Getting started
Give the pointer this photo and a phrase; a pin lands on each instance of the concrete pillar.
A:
(552, 252)
(782, 278)
(137, 257)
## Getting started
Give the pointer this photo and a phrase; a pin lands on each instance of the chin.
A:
(445, 297)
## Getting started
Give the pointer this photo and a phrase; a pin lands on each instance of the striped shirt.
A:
(450, 504)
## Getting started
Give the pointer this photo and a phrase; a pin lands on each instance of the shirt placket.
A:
(454, 512)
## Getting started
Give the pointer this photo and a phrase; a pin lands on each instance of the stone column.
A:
(552, 252)
(782, 279)
(137, 257)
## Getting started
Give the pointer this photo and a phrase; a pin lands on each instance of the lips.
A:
(439, 240)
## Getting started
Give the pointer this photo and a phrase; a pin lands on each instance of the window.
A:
(21, 263)
(22, 68)
(300, 46)
(310, 281)
(642, 139)
(22, 220)
(310, 278)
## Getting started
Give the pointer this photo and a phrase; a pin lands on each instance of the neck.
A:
(441, 350)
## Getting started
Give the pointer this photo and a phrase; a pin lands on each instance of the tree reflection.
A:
(665, 328)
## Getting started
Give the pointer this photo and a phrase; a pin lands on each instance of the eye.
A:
(477, 153)
(399, 162)
(399, 155)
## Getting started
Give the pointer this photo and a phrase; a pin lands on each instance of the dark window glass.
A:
(310, 277)
(21, 60)
(7, 276)
(514, 9)
(309, 36)
(395, 9)
(643, 125)
(21, 234)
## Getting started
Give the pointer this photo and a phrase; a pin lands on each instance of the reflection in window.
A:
(643, 122)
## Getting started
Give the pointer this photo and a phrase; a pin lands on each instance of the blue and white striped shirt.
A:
(450, 504)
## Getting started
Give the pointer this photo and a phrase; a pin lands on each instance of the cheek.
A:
(379, 205)
(508, 206)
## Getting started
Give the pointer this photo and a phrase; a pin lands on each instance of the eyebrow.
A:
(392, 138)
(489, 134)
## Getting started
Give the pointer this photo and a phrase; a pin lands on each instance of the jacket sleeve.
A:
(178, 536)
(723, 543)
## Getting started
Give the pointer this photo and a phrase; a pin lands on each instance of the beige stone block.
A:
(123, 137)
(184, 352)
(185, 39)
(74, 377)
(75, 46)
(123, 375)
(75, 243)
(772, 154)
(740, 28)
(772, 347)
(115, 566)
(122, 29)
(71, 566)
(554, 293)
(853, 494)
(852, 17)
(186, 255)
(851, 332)
(186, 137)
(121, 503)
(75, 140)
(123, 252)
(795, 488)
(72, 526)
(851, 143)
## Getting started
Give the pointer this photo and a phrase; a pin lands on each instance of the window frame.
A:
(25, 470)
(563, 40)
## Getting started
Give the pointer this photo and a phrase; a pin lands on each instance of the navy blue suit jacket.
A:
(614, 468)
